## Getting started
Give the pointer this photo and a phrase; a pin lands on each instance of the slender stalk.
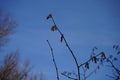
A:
(116, 69)
(77, 65)
(57, 73)
(91, 72)
(88, 60)
(69, 77)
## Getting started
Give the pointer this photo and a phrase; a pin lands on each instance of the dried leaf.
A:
(49, 16)
(54, 28)
(94, 59)
(103, 55)
(87, 65)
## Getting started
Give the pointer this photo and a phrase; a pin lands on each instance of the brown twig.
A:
(77, 65)
(57, 73)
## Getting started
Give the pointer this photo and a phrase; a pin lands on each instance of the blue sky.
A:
(85, 24)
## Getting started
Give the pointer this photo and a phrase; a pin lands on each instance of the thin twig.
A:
(69, 77)
(92, 72)
(77, 65)
(84, 73)
(57, 73)
(89, 60)
(116, 69)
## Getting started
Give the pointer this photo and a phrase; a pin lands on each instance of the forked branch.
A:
(67, 45)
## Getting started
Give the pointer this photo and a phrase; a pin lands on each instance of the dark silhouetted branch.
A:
(113, 66)
(54, 60)
(89, 60)
(77, 65)
(69, 77)
(84, 73)
(7, 26)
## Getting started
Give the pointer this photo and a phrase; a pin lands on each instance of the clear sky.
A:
(85, 24)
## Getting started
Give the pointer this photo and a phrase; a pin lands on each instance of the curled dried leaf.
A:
(94, 59)
(54, 28)
(49, 16)
(87, 65)
(103, 55)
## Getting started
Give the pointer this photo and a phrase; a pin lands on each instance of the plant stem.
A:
(57, 73)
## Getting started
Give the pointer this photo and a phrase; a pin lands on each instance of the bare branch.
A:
(69, 77)
(89, 60)
(113, 66)
(7, 24)
(75, 59)
(54, 60)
